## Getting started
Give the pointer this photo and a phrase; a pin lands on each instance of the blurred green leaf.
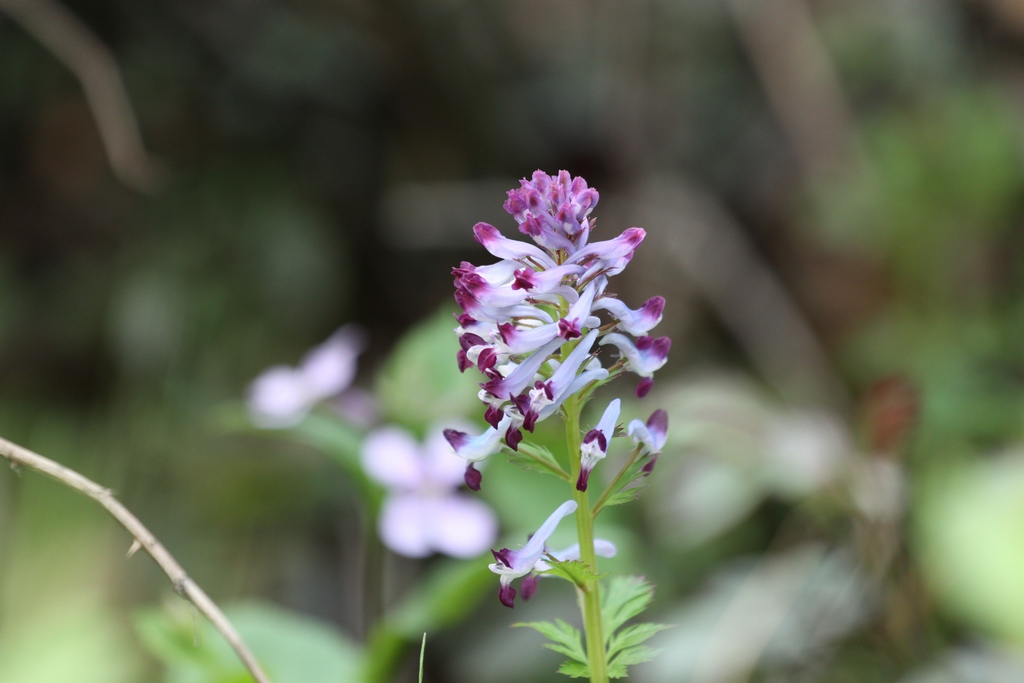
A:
(565, 639)
(421, 384)
(449, 592)
(971, 528)
(291, 648)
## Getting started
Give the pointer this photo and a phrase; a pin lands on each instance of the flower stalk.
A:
(536, 324)
(590, 595)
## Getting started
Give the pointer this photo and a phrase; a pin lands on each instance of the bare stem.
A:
(183, 585)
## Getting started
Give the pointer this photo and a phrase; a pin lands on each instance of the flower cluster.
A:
(532, 322)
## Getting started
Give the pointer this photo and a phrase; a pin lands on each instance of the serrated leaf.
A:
(624, 598)
(539, 459)
(574, 670)
(633, 635)
(622, 496)
(565, 638)
(635, 655)
(574, 571)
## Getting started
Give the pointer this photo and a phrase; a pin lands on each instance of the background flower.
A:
(282, 395)
(424, 512)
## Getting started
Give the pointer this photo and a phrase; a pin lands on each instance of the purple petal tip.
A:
(473, 477)
(507, 595)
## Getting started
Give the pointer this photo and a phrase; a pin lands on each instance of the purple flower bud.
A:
(643, 387)
(473, 477)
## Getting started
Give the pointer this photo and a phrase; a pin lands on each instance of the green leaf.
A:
(633, 635)
(421, 384)
(634, 655)
(531, 456)
(291, 648)
(622, 496)
(574, 669)
(574, 571)
(565, 638)
(624, 598)
(451, 591)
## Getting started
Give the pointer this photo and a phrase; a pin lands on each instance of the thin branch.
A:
(800, 81)
(183, 585)
(92, 63)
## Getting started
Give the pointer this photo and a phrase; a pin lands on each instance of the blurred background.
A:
(833, 194)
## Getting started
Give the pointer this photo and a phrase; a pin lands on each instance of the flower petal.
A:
(329, 368)
(278, 398)
(391, 456)
(637, 322)
(441, 465)
(403, 525)
(461, 526)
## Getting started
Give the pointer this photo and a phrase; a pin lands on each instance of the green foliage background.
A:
(323, 162)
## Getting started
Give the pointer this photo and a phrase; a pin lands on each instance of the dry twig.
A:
(71, 41)
(183, 585)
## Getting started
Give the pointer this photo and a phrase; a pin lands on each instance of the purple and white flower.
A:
(473, 449)
(595, 444)
(532, 322)
(643, 357)
(513, 564)
(423, 511)
(282, 396)
(650, 437)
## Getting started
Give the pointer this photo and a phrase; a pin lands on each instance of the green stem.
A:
(612, 487)
(591, 595)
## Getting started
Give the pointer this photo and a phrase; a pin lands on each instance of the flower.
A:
(644, 356)
(513, 564)
(282, 396)
(595, 444)
(476, 448)
(423, 511)
(530, 322)
(650, 437)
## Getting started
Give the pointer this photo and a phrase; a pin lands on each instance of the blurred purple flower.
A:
(282, 396)
(423, 512)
